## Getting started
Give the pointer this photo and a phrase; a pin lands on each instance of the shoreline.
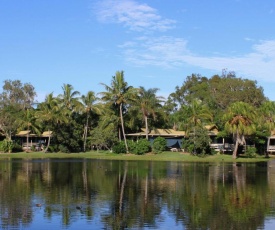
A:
(106, 155)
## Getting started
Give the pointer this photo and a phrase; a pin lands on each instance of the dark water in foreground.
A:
(101, 194)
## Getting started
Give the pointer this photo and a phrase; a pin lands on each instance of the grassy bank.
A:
(165, 156)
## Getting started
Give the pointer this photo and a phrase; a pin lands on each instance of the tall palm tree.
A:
(240, 121)
(69, 97)
(148, 103)
(89, 105)
(51, 113)
(119, 94)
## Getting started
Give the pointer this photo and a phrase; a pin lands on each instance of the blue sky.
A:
(156, 42)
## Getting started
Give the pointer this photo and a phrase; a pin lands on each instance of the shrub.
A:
(119, 148)
(198, 143)
(251, 152)
(142, 146)
(17, 147)
(131, 146)
(6, 146)
(33, 148)
(159, 145)
(63, 149)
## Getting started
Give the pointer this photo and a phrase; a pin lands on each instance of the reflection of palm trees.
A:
(123, 187)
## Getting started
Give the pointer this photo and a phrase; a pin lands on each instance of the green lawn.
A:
(165, 156)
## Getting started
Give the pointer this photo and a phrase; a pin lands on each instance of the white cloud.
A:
(170, 52)
(135, 16)
(163, 51)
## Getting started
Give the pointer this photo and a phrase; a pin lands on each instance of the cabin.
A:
(29, 140)
(217, 143)
(173, 137)
(270, 147)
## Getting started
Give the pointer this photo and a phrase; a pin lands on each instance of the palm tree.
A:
(69, 97)
(28, 120)
(51, 113)
(148, 103)
(88, 102)
(196, 114)
(239, 121)
(119, 94)
(267, 115)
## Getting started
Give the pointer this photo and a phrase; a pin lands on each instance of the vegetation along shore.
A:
(214, 118)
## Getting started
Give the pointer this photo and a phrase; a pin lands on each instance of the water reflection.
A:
(98, 194)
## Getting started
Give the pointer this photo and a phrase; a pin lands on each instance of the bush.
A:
(131, 146)
(63, 149)
(17, 147)
(119, 147)
(6, 146)
(251, 152)
(33, 148)
(198, 143)
(159, 145)
(142, 146)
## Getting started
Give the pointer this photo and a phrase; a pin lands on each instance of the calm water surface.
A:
(103, 194)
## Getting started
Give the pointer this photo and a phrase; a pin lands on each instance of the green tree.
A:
(15, 98)
(69, 97)
(218, 92)
(27, 120)
(51, 114)
(8, 116)
(89, 105)
(148, 103)
(17, 94)
(119, 94)
(196, 114)
(267, 116)
(240, 122)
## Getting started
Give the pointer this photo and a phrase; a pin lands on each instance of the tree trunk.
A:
(85, 133)
(235, 149)
(27, 142)
(146, 126)
(122, 126)
(46, 149)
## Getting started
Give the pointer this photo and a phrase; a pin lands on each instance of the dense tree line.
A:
(81, 122)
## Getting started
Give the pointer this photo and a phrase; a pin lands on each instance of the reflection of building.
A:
(271, 174)
(29, 140)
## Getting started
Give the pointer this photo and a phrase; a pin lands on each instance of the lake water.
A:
(103, 194)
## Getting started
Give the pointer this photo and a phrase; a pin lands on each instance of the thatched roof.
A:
(27, 132)
(47, 134)
(212, 130)
(23, 133)
(159, 132)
